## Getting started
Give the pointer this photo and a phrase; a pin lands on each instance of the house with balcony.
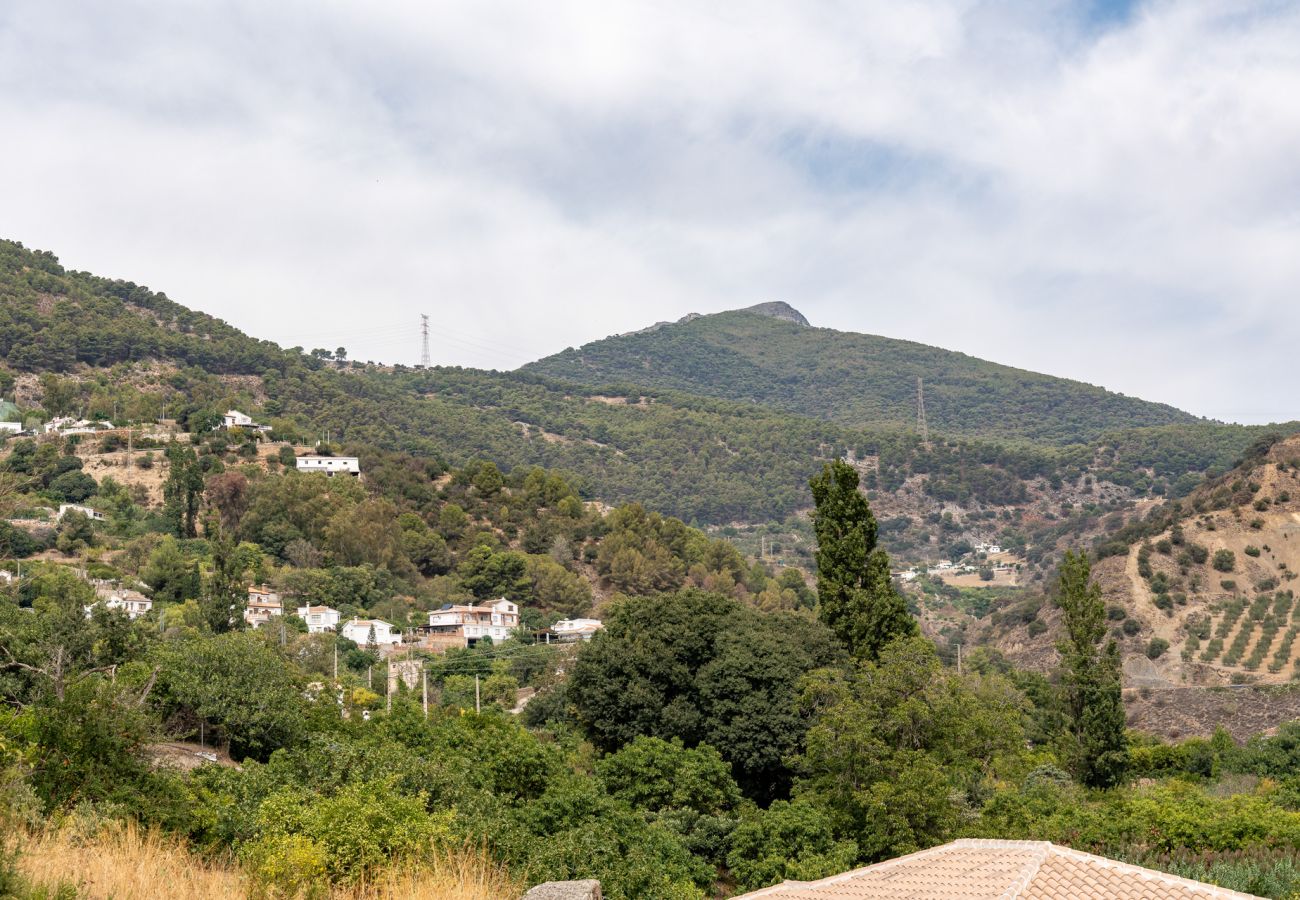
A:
(263, 605)
(319, 619)
(466, 625)
(113, 596)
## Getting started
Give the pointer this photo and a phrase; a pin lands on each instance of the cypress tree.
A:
(1090, 679)
(857, 599)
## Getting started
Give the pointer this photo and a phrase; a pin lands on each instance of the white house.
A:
(10, 427)
(236, 419)
(358, 631)
(69, 425)
(92, 514)
(319, 619)
(576, 629)
(330, 465)
(263, 604)
(133, 603)
(496, 620)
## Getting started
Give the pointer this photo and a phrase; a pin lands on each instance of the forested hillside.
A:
(856, 379)
(75, 343)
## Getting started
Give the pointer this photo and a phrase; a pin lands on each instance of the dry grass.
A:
(129, 863)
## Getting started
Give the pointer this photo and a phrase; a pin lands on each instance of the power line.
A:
(425, 359)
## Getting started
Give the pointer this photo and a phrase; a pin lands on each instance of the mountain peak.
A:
(777, 309)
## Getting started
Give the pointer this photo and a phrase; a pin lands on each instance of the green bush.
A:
(1157, 647)
(1224, 560)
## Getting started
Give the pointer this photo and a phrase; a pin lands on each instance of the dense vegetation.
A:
(857, 379)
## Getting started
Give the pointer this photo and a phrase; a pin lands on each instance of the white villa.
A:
(496, 620)
(330, 465)
(319, 619)
(358, 631)
(576, 629)
(263, 604)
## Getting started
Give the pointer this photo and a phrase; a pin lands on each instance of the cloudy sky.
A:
(1103, 190)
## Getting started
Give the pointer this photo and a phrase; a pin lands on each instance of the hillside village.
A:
(286, 598)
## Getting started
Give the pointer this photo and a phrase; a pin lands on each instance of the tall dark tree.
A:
(858, 601)
(1090, 679)
(226, 594)
(183, 490)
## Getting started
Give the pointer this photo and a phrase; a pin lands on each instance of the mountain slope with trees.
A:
(74, 343)
(857, 379)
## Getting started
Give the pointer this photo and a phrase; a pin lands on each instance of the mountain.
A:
(72, 342)
(770, 355)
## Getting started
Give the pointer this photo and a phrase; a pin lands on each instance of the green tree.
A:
(173, 578)
(701, 668)
(890, 746)
(237, 683)
(1090, 678)
(76, 532)
(225, 595)
(183, 490)
(653, 774)
(858, 600)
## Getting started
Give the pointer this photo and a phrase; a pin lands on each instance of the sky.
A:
(1107, 191)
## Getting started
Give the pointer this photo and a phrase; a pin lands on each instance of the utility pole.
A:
(388, 707)
(336, 656)
(424, 677)
(424, 341)
(922, 426)
(477, 706)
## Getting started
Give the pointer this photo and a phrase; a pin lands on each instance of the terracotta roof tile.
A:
(999, 870)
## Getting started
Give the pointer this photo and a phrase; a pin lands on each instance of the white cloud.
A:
(1109, 201)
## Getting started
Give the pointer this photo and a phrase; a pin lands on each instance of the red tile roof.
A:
(999, 870)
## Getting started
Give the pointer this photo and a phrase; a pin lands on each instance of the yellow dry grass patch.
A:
(130, 863)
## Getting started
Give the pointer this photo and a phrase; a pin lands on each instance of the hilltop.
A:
(770, 355)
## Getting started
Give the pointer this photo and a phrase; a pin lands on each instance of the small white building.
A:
(263, 605)
(236, 419)
(93, 514)
(576, 629)
(319, 619)
(330, 465)
(359, 632)
(69, 425)
(11, 427)
(497, 620)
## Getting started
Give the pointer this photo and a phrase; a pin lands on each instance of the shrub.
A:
(1157, 648)
(1116, 613)
(1037, 627)
(1224, 560)
(1252, 550)
(1131, 627)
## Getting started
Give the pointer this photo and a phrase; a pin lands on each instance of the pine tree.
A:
(1090, 679)
(857, 599)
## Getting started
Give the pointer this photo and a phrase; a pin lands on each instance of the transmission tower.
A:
(921, 426)
(424, 341)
